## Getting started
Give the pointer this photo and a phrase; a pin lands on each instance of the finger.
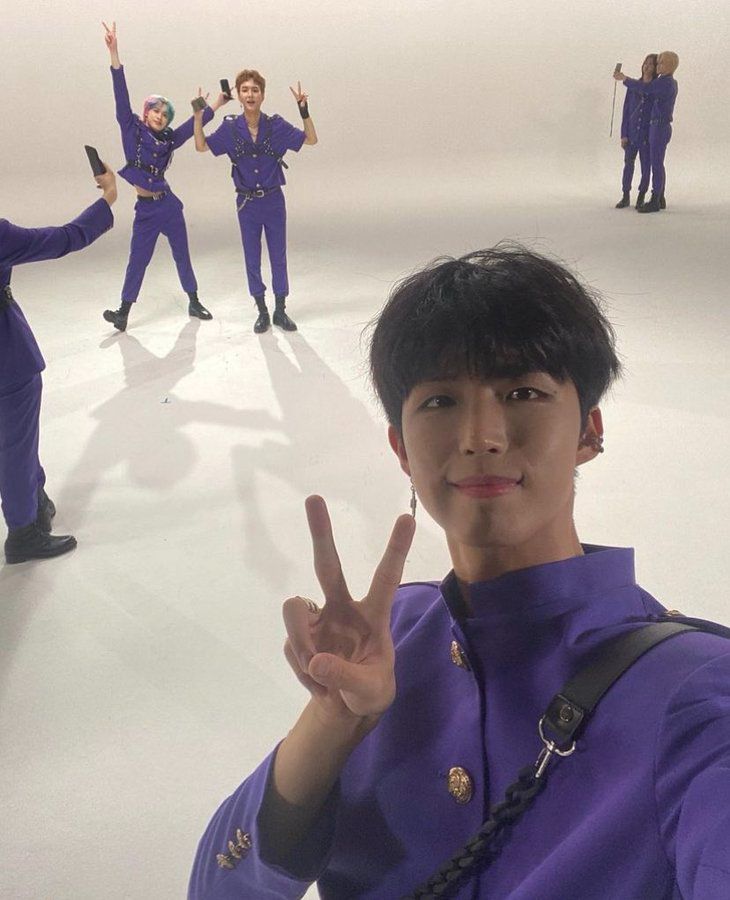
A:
(302, 677)
(298, 620)
(326, 561)
(389, 572)
(338, 674)
(299, 87)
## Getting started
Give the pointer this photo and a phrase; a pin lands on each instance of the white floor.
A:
(141, 676)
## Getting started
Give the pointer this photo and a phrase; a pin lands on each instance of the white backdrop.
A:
(141, 677)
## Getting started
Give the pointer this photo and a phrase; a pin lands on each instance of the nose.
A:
(484, 426)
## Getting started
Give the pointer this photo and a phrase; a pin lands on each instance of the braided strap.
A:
(486, 843)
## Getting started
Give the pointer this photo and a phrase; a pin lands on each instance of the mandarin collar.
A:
(543, 592)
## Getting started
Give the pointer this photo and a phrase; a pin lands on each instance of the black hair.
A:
(654, 57)
(500, 312)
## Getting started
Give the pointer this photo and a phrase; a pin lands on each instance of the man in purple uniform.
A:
(635, 136)
(662, 93)
(422, 711)
(149, 144)
(26, 507)
(256, 144)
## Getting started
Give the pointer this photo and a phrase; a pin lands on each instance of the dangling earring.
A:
(414, 500)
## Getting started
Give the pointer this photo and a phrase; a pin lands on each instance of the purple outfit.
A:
(149, 155)
(635, 129)
(258, 175)
(640, 810)
(662, 94)
(21, 362)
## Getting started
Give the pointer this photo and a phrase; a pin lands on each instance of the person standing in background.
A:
(635, 136)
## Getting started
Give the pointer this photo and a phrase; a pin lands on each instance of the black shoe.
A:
(662, 202)
(196, 308)
(117, 317)
(262, 323)
(640, 199)
(281, 318)
(651, 206)
(46, 511)
(624, 201)
(31, 542)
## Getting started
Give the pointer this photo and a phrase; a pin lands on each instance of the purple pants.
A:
(659, 137)
(21, 473)
(266, 213)
(630, 152)
(151, 219)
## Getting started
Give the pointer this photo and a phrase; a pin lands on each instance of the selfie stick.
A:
(613, 106)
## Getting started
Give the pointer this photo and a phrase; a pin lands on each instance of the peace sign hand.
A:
(343, 654)
(299, 94)
(110, 38)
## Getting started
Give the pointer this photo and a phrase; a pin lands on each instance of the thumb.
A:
(336, 673)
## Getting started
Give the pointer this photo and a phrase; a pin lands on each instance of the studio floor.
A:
(142, 675)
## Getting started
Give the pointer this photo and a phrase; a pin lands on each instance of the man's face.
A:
(251, 96)
(156, 117)
(493, 461)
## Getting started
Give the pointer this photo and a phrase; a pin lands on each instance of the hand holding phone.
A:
(198, 103)
(97, 166)
(226, 88)
(617, 69)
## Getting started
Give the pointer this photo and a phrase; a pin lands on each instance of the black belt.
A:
(157, 196)
(153, 170)
(6, 296)
(248, 194)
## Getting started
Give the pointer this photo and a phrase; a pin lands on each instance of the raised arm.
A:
(184, 132)
(343, 655)
(310, 135)
(125, 116)
(201, 145)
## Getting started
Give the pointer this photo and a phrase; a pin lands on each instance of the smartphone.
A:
(617, 69)
(198, 103)
(226, 88)
(97, 166)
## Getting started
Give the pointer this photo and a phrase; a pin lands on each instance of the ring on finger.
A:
(311, 605)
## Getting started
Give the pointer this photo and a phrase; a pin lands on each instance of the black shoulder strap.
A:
(570, 707)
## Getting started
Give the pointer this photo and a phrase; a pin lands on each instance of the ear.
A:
(591, 438)
(395, 439)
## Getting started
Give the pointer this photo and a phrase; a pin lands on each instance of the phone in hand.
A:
(97, 166)
(198, 103)
(226, 88)
(617, 69)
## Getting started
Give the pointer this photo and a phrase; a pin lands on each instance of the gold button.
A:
(460, 785)
(224, 862)
(458, 658)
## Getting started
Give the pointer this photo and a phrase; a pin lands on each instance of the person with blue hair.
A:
(149, 144)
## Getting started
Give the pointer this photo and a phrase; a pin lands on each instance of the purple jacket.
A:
(256, 165)
(20, 357)
(640, 810)
(635, 120)
(148, 153)
(662, 92)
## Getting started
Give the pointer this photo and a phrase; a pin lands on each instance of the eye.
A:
(438, 401)
(526, 393)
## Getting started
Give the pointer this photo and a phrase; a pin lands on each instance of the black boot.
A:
(263, 322)
(651, 206)
(118, 317)
(640, 199)
(196, 308)
(624, 201)
(662, 202)
(31, 542)
(46, 511)
(281, 318)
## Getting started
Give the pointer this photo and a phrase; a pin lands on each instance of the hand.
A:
(299, 94)
(220, 100)
(110, 38)
(343, 654)
(199, 112)
(619, 76)
(108, 184)
(624, 142)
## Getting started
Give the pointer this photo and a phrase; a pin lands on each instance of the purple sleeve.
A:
(660, 87)
(219, 142)
(23, 245)
(289, 137)
(184, 132)
(246, 872)
(125, 116)
(693, 782)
